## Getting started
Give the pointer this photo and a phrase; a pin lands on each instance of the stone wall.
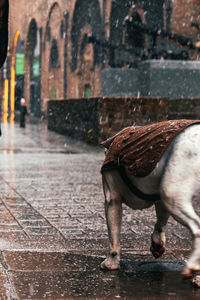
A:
(171, 79)
(77, 118)
(93, 120)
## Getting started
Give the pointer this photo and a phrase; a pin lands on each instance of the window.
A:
(54, 55)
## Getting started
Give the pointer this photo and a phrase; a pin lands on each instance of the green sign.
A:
(53, 93)
(19, 64)
(36, 66)
(87, 90)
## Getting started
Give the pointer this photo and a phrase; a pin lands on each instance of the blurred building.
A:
(61, 49)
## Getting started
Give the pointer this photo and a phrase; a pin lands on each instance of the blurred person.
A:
(23, 112)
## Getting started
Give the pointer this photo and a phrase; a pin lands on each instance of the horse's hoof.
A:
(157, 250)
(108, 265)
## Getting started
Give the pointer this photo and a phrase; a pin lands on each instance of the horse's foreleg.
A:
(158, 239)
(113, 211)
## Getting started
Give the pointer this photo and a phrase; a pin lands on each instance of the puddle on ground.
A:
(50, 275)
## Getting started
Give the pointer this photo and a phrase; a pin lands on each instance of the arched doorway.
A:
(124, 18)
(133, 34)
(33, 51)
(85, 67)
(86, 56)
(91, 18)
(55, 55)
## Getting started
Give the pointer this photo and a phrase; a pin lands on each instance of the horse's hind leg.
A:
(158, 239)
(113, 211)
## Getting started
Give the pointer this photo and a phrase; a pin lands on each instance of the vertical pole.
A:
(5, 102)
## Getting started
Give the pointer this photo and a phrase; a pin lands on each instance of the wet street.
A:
(53, 231)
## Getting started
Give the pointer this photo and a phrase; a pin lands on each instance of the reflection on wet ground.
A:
(49, 275)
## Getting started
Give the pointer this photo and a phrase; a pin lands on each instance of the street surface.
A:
(53, 233)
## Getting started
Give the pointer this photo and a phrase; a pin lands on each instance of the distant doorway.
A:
(19, 72)
(133, 33)
(34, 54)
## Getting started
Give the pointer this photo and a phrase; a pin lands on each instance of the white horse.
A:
(176, 178)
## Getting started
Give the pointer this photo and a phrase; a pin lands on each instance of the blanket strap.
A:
(134, 189)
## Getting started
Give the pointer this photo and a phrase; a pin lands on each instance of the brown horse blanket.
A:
(139, 148)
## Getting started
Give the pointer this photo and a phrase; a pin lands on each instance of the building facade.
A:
(58, 49)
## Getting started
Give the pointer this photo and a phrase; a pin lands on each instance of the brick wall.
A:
(93, 120)
(116, 113)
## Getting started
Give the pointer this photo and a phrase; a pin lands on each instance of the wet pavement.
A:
(53, 231)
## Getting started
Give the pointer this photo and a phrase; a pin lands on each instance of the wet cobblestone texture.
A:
(53, 232)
